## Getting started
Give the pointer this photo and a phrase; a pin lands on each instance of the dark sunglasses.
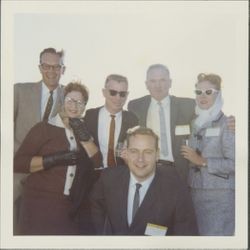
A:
(207, 91)
(114, 93)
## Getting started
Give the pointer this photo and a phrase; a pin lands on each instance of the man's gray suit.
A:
(27, 112)
(167, 203)
(181, 113)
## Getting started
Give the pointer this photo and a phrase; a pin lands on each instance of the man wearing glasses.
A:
(37, 101)
(108, 124)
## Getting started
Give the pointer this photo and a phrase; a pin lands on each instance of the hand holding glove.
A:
(79, 128)
(63, 158)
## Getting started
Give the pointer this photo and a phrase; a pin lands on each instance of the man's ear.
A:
(170, 83)
(40, 69)
(104, 92)
(158, 154)
(63, 69)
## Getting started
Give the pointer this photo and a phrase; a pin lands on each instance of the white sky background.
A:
(100, 38)
(125, 38)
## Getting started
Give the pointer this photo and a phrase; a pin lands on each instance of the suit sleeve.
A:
(29, 148)
(226, 164)
(97, 202)
(184, 218)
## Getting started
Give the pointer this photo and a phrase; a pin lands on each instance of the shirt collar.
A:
(107, 113)
(147, 182)
(46, 90)
(165, 101)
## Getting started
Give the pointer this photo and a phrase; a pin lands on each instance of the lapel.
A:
(174, 110)
(92, 123)
(144, 110)
(35, 103)
(59, 101)
(146, 207)
(124, 126)
(122, 197)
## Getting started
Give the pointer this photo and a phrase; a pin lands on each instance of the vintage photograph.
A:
(124, 124)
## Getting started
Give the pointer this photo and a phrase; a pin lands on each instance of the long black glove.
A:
(79, 128)
(63, 158)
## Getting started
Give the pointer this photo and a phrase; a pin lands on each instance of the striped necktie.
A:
(48, 107)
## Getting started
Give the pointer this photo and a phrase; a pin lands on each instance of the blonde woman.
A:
(211, 152)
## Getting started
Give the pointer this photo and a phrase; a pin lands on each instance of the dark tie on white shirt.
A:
(136, 201)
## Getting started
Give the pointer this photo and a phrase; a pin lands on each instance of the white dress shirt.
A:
(45, 97)
(103, 131)
(153, 122)
(131, 193)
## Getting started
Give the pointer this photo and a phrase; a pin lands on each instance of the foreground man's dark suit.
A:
(167, 203)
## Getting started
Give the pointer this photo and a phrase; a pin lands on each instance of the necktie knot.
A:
(138, 186)
(159, 103)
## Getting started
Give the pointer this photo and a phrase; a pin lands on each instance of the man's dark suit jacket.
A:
(181, 113)
(166, 203)
(129, 120)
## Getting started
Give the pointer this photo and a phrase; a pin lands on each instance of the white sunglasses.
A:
(206, 91)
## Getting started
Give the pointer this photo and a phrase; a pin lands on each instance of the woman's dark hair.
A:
(77, 86)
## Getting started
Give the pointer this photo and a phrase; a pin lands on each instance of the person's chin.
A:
(73, 116)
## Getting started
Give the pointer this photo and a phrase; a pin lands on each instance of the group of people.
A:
(173, 175)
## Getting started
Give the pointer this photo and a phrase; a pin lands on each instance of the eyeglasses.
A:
(114, 93)
(71, 101)
(206, 91)
(46, 66)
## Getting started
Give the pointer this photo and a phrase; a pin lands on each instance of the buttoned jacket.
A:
(216, 143)
(167, 203)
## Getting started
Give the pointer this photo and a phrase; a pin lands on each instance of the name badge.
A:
(212, 132)
(155, 230)
(182, 130)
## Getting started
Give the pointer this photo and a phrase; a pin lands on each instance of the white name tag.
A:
(182, 130)
(212, 132)
(155, 230)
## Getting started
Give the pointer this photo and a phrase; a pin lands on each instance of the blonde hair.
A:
(213, 78)
(142, 131)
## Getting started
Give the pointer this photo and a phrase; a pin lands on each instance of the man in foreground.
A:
(142, 199)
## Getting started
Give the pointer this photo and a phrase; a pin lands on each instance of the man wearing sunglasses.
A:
(37, 101)
(108, 124)
(169, 116)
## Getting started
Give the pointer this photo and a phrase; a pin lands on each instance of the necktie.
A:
(163, 131)
(136, 201)
(111, 153)
(48, 107)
